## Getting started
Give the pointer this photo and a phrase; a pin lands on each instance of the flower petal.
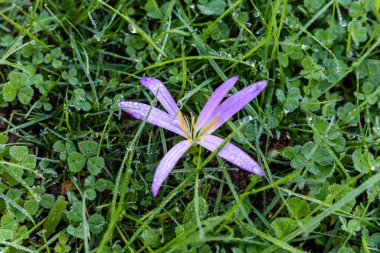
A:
(234, 104)
(162, 94)
(215, 100)
(156, 116)
(167, 164)
(232, 154)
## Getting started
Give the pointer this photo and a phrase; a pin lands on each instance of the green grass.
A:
(76, 172)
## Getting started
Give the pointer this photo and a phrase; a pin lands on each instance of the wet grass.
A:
(76, 172)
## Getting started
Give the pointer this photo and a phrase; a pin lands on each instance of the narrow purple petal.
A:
(156, 116)
(162, 94)
(215, 100)
(232, 154)
(167, 164)
(234, 104)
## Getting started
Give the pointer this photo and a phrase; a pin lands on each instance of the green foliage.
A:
(150, 237)
(76, 171)
(215, 7)
(54, 216)
(54, 58)
(80, 100)
(87, 156)
(188, 215)
(363, 162)
(18, 86)
(358, 32)
(70, 76)
(283, 226)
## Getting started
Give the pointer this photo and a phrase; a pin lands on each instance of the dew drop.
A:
(93, 22)
(132, 28)
(246, 118)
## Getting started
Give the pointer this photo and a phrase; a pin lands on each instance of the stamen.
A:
(193, 124)
(183, 127)
(183, 124)
(210, 125)
(181, 116)
(187, 124)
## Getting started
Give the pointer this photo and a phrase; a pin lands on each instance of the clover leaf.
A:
(188, 215)
(299, 207)
(88, 148)
(76, 161)
(363, 162)
(292, 100)
(64, 148)
(95, 164)
(150, 236)
(76, 231)
(96, 223)
(19, 155)
(53, 58)
(87, 156)
(355, 10)
(80, 101)
(283, 226)
(358, 32)
(214, 7)
(19, 86)
(70, 76)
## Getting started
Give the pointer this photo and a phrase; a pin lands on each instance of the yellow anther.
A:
(181, 117)
(210, 125)
(183, 127)
(182, 123)
(193, 124)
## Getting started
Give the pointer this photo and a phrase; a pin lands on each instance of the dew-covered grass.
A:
(76, 172)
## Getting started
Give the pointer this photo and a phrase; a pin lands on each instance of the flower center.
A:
(191, 130)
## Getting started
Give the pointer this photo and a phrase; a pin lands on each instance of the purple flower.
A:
(213, 115)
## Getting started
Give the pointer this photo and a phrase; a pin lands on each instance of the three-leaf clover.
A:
(20, 156)
(363, 162)
(70, 76)
(87, 155)
(64, 148)
(358, 32)
(214, 7)
(18, 86)
(79, 100)
(53, 58)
